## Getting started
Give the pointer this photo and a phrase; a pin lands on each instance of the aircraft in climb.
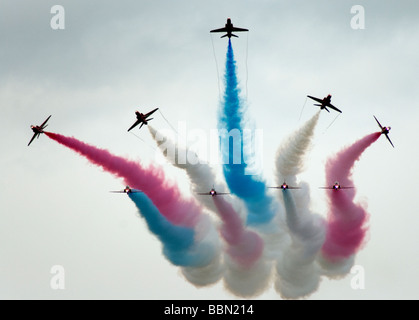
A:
(229, 28)
(38, 130)
(213, 193)
(284, 186)
(325, 103)
(385, 131)
(142, 118)
(336, 186)
(126, 190)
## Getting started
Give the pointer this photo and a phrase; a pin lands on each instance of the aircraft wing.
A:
(316, 99)
(388, 138)
(33, 137)
(42, 125)
(203, 193)
(222, 193)
(219, 30)
(238, 29)
(378, 122)
(135, 124)
(150, 113)
(333, 107)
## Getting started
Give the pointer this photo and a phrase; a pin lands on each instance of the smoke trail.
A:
(260, 205)
(201, 175)
(346, 225)
(166, 199)
(178, 242)
(164, 194)
(297, 272)
(244, 246)
(245, 273)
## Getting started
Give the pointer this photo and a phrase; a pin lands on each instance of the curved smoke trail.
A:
(245, 272)
(179, 245)
(260, 205)
(297, 272)
(183, 214)
(164, 194)
(201, 175)
(346, 222)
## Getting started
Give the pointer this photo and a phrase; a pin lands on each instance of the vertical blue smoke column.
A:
(260, 205)
(177, 241)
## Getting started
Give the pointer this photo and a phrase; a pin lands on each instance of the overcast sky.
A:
(112, 59)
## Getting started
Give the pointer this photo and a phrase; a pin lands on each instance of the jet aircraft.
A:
(229, 28)
(336, 186)
(142, 118)
(38, 130)
(284, 186)
(126, 190)
(325, 103)
(385, 131)
(213, 193)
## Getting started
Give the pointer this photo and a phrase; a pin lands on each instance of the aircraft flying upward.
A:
(229, 28)
(385, 131)
(126, 190)
(325, 103)
(284, 186)
(38, 130)
(213, 193)
(336, 186)
(142, 118)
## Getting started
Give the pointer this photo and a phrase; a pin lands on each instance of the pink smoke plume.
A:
(244, 246)
(164, 194)
(346, 226)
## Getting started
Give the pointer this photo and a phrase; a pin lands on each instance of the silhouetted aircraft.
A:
(336, 186)
(38, 130)
(142, 118)
(213, 193)
(126, 190)
(325, 103)
(385, 131)
(229, 28)
(284, 186)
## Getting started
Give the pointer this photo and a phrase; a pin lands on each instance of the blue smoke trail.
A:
(178, 242)
(259, 204)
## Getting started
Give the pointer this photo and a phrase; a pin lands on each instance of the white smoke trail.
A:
(297, 271)
(206, 230)
(240, 277)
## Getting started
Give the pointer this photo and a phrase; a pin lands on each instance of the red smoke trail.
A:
(165, 195)
(244, 246)
(346, 220)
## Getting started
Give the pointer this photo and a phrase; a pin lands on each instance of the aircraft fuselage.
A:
(140, 116)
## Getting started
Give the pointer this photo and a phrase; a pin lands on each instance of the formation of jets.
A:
(143, 119)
